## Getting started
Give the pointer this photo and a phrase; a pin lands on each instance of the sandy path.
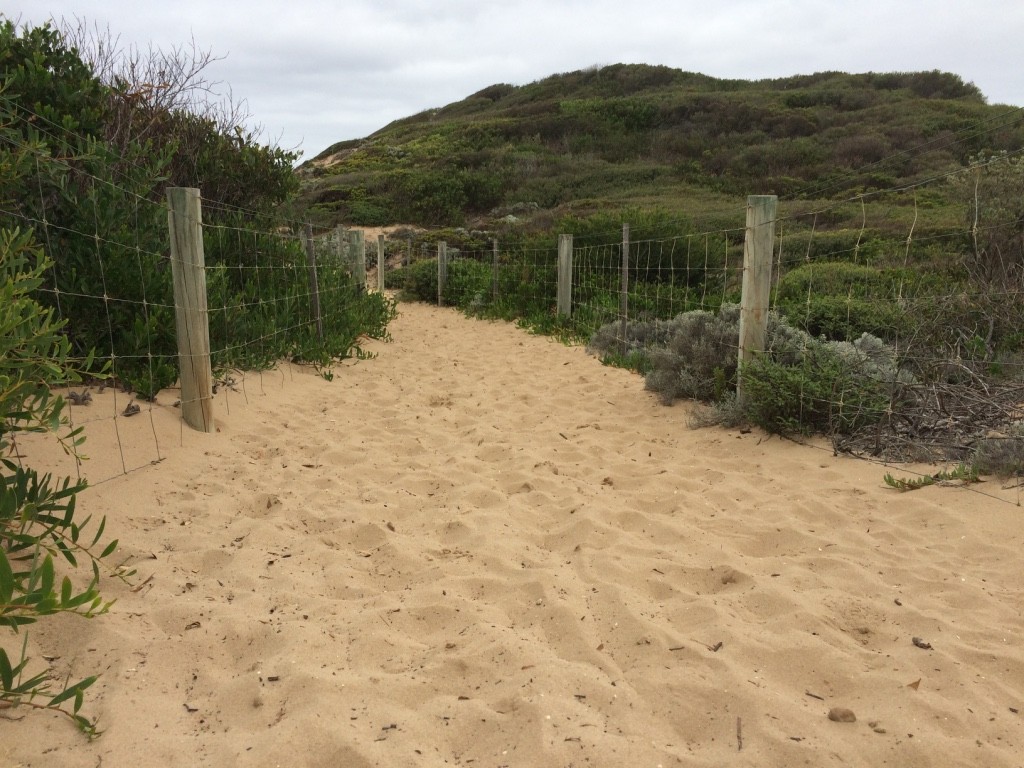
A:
(483, 548)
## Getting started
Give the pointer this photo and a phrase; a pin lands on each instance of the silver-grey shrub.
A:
(698, 356)
(694, 355)
(641, 336)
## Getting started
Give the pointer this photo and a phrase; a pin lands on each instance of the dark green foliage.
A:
(100, 235)
(434, 197)
(366, 213)
(841, 301)
(96, 198)
(57, 91)
(469, 285)
(821, 393)
(233, 169)
(418, 281)
(261, 309)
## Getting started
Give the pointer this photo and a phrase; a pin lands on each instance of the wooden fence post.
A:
(314, 283)
(442, 270)
(565, 275)
(494, 269)
(624, 286)
(192, 322)
(342, 240)
(357, 252)
(757, 278)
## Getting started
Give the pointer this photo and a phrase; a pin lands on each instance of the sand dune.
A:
(483, 548)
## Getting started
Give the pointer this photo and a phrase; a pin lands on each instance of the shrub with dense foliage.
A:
(91, 159)
(839, 300)
(800, 384)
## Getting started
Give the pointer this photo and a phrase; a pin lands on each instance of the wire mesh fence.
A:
(905, 345)
(102, 236)
(900, 336)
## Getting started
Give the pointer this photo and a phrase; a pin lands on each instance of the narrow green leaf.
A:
(46, 575)
(72, 691)
(63, 696)
(69, 555)
(65, 591)
(6, 672)
(99, 532)
(6, 579)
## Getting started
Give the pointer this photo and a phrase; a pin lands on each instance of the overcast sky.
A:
(315, 72)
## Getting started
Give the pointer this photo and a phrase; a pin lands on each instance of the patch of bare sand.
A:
(484, 548)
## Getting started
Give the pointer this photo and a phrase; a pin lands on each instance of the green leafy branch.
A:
(18, 691)
(962, 473)
(38, 529)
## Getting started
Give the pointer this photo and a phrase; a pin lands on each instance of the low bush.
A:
(698, 360)
(418, 281)
(841, 301)
(469, 285)
(800, 384)
(824, 393)
(1001, 455)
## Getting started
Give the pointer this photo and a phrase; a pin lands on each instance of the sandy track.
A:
(483, 548)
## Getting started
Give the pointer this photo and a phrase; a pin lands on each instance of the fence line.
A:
(920, 311)
(267, 286)
(257, 299)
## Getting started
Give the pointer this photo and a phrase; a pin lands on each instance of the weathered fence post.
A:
(624, 287)
(442, 270)
(380, 263)
(192, 322)
(564, 275)
(357, 252)
(494, 269)
(314, 283)
(757, 278)
(342, 240)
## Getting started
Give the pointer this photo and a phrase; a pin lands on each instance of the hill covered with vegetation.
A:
(898, 256)
(654, 137)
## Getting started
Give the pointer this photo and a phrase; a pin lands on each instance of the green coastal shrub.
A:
(418, 281)
(469, 285)
(840, 300)
(824, 392)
